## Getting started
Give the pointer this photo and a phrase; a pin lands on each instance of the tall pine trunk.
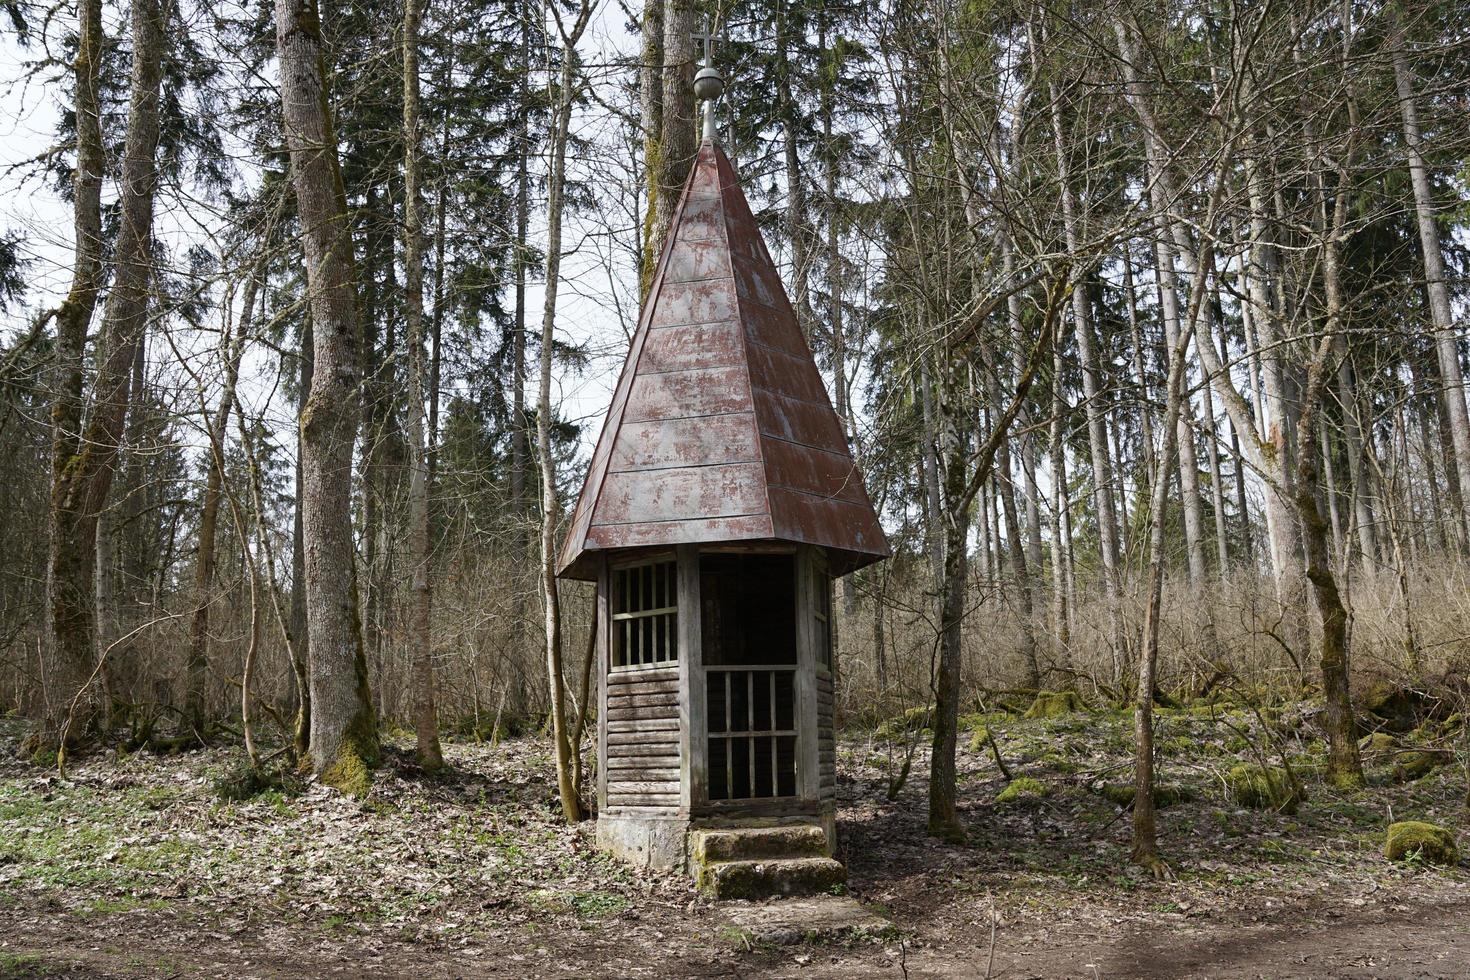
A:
(1446, 339)
(420, 640)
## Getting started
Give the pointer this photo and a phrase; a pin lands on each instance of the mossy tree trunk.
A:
(68, 613)
(84, 477)
(651, 117)
(344, 738)
(676, 135)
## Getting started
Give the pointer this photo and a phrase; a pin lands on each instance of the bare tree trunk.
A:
(1212, 448)
(1145, 831)
(421, 645)
(1359, 474)
(944, 819)
(1092, 385)
(965, 473)
(1064, 586)
(1344, 767)
(520, 454)
(1446, 344)
(1275, 423)
(562, 97)
(299, 639)
(197, 662)
(1092, 394)
(344, 736)
(1016, 552)
(796, 211)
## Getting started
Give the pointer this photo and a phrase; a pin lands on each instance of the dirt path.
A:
(1428, 942)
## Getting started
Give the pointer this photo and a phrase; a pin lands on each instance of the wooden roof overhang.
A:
(720, 429)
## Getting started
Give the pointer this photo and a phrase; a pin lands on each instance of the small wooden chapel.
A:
(720, 503)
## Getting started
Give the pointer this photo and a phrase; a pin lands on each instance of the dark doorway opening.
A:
(748, 645)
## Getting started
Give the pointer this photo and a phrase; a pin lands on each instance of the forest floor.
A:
(137, 866)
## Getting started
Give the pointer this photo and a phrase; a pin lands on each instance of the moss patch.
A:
(912, 720)
(349, 773)
(1416, 840)
(1411, 766)
(1259, 788)
(1054, 704)
(1023, 789)
(1165, 795)
(1378, 742)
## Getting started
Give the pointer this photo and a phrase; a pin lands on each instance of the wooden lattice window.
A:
(645, 619)
(822, 613)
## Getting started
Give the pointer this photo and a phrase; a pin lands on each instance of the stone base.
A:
(822, 918)
(644, 841)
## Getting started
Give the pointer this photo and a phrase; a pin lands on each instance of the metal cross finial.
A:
(707, 36)
(708, 85)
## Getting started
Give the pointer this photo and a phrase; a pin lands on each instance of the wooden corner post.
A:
(693, 730)
(807, 749)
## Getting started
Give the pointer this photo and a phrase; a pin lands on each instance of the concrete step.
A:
(752, 843)
(769, 877)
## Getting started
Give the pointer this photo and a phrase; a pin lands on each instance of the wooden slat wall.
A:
(826, 738)
(643, 738)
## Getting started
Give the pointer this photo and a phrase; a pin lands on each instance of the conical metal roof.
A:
(720, 429)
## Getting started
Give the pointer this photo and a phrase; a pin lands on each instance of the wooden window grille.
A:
(645, 620)
(751, 715)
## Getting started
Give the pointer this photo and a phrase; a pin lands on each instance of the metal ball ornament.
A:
(708, 84)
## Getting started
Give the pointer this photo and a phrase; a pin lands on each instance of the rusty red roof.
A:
(720, 428)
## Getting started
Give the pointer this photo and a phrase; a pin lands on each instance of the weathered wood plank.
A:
(647, 675)
(643, 713)
(706, 301)
(618, 700)
(631, 786)
(618, 726)
(650, 762)
(667, 774)
(692, 347)
(638, 801)
(644, 746)
(659, 737)
(646, 686)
